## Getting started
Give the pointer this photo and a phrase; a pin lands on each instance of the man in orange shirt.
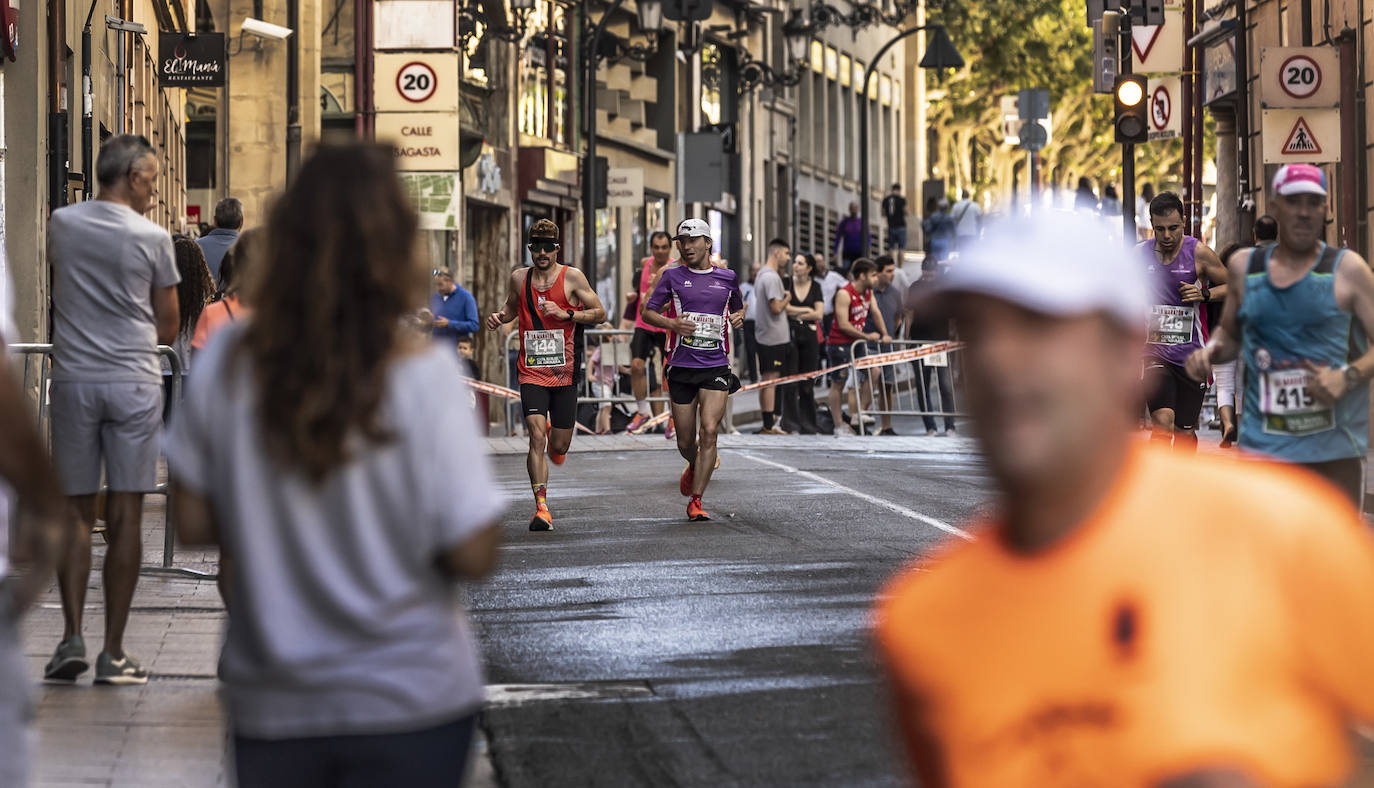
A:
(1126, 617)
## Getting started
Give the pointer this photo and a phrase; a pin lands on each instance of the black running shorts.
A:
(643, 343)
(1168, 387)
(558, 404)
(685, 382)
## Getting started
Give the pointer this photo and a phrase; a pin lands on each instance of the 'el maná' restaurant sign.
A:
(191, 61)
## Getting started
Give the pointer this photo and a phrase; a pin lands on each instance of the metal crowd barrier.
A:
(913, 386)
(44, 351)
(597, 388)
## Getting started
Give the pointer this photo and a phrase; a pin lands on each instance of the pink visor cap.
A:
(1300, 179)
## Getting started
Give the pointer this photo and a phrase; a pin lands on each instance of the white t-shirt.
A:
(341, 623)
(830, 283)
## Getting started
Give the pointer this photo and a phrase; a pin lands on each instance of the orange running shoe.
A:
(694, 511)
(685, 482)
(556, 459)
(636, 423)
(542, 519)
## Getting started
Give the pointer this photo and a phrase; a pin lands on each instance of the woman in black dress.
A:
(804, 309)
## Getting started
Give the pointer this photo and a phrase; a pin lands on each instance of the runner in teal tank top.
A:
(1299, 317)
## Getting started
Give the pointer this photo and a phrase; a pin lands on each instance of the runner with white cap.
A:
(707, 303)
(1124, 614)
(1299, 315)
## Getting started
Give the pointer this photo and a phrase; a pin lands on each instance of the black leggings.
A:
(808, 360)
(429, 758)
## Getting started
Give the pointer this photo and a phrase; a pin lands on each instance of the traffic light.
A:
(1132, 121)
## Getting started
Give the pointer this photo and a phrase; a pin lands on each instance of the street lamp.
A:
(650, 13)
(753, 73)
(939, 55)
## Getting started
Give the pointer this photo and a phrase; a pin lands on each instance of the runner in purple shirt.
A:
(706, 305)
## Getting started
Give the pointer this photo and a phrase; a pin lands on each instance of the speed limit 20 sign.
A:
(416, 82)
(1299, 77)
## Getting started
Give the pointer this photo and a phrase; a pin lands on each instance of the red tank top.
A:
(858, 315)
(547, 352)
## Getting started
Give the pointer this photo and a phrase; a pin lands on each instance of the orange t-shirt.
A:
(214, 317)
(1212, 613)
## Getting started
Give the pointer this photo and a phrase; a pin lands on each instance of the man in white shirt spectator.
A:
(967, 218)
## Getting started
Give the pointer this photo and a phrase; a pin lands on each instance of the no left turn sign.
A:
(1300, 76)
(416, 82)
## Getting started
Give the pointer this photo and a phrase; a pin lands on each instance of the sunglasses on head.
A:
(543, 246)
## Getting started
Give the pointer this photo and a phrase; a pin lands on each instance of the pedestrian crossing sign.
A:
(1309, 135)
(1301, 140)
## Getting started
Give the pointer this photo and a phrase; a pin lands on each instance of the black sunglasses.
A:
(440, 272)
(543, 246)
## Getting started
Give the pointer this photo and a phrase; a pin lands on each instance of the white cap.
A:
(1060, 264)
(693, 227)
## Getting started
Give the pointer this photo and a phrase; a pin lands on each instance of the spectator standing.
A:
(454, 308)
(1084, 199)
(1143, 228)
(114, 302)
(849, 239)
(194, 291)
(967, 218)
(805, 309)
(228, 223)
(939, 228)
(777, 354)
(1111, 203)
(238, 264)
(750, 344)
(894, 212)
(925, 326)
(342, 529)
(888, 298)
(830, 281)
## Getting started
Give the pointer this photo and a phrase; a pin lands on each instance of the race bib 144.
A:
(544, 348)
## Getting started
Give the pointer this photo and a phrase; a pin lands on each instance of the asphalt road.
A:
(632, 647)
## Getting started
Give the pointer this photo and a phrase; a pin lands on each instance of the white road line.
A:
(898, 508)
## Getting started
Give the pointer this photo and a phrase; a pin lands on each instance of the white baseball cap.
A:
(1060, 264)
(693, 227)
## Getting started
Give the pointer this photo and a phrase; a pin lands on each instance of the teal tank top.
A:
(1281, 328)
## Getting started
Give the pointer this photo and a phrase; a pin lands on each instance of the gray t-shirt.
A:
(341, 623)
(889, 303)
(770, 329)
(106, 262)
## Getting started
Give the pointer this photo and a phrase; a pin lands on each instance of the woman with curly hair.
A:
(194, 291)
(322, 449)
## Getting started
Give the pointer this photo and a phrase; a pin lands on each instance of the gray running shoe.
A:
(68, 662)
(122, 671)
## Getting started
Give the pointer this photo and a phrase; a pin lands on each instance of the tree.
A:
(1029, 44)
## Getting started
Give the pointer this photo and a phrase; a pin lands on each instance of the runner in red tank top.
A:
(551, 302)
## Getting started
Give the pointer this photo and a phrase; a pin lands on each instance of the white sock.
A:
(642, 405)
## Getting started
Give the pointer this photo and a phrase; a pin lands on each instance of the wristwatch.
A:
(1206, 295)
(1352, 375)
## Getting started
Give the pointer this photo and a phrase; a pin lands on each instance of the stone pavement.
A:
(170, 732)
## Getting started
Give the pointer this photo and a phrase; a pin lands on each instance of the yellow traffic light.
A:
(1130, 93)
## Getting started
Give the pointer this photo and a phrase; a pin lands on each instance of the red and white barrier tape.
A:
(866, 362)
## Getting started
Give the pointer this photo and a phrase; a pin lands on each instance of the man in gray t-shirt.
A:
(777, 355)
(888, 297)
(114, 302)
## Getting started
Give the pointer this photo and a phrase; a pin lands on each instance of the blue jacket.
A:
(213, 245)
(461, 310)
